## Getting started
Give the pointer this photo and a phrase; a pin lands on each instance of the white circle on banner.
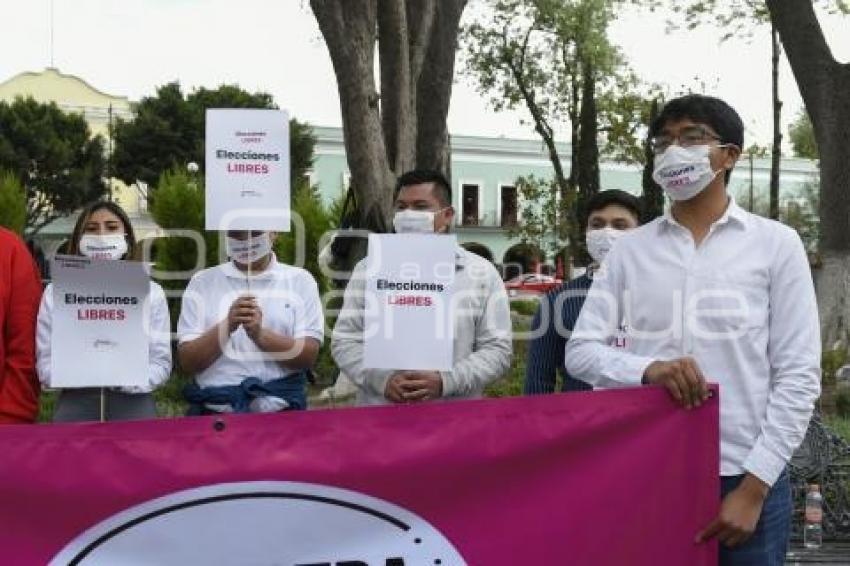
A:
(262, 523)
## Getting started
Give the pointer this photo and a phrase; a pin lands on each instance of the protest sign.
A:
(98, 336)
(247, 170)
(408, 322)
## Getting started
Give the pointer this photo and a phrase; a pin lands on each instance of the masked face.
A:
(410, 221)
(600, 241)
(250, 250)
(103, 246)
(684, 172)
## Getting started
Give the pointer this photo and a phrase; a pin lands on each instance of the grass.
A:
(839, 425)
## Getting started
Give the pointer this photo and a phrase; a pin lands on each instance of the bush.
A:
(525, 307)
(13, 202)
(842, 402)
(317, 219)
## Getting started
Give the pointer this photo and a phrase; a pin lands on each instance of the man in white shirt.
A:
(712, 292)
(248, 330)
(482, 331)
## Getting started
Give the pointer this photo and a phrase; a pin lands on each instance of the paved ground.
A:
(830, 553)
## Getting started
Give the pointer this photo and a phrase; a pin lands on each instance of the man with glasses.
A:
(712, 292)
(481, 314)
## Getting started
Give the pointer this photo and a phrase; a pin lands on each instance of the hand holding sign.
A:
(414, 386)
(246, 312)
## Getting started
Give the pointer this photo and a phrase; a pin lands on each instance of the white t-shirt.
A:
(288, 297)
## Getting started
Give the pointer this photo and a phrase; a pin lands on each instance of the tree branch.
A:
(810, 57)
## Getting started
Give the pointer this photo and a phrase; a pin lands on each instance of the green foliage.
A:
(178, 204)
(525, 307)
(798, 210)
(734, 18)
(531, 54)
(831, 362)
(542, 208)
(13, 202)
(554, 59)
(168, 131)
(802, 135)
(840, 426)
(306, 205)
(53, 156)
(511, 384)
(842, 402)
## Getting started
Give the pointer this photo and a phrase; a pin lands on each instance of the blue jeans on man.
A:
(769, 542)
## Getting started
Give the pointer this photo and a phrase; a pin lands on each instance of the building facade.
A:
(485, 171)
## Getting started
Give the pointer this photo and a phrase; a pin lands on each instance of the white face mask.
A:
(600, 241)
(684, 172)
(414, 221)
(250, 250)
(103, 246)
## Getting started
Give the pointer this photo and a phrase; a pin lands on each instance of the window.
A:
(469, 205)
(509, 205)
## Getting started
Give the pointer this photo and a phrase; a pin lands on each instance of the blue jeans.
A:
(768, 544)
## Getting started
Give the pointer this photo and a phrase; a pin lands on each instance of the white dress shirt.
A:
(742, 304)
(288, 297)
(482, 333)
(157, 323)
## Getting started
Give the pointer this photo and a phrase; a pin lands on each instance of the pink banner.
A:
(612, 477)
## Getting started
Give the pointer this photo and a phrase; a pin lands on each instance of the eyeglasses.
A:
(688, 136)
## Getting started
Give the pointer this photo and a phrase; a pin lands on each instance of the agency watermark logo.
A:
(263, 523)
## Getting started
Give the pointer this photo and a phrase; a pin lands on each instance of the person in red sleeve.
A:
(20, 293)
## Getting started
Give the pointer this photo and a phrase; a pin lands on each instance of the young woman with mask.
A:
(249, 330)
(103, 231)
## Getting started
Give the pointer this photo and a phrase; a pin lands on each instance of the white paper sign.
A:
(408, 322)
(247, 170)
(99, 337)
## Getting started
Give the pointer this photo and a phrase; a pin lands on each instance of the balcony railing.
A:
(488, 220)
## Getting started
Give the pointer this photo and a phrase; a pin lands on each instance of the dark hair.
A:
(443, 190)
(613, 196)
(707, 110)
(82, 220)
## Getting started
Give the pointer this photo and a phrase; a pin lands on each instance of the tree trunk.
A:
(587, 158)
(653, 194)
(776, 152)
(405, 126)
(824, 84)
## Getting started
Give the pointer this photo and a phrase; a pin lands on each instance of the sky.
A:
(129, 47)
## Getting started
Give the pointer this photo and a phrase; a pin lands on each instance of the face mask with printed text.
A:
(684, 172)
(249, 250)
(103, 246)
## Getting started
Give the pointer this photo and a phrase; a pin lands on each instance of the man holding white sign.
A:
(478, 311)
(249, 329)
